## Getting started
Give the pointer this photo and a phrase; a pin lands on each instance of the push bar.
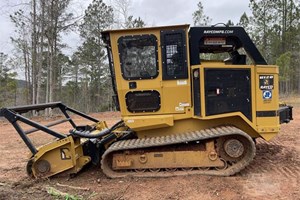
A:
(13, 115)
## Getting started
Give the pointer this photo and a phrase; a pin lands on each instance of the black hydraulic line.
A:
(25, 138)
(86, 134)
(126, 136)
(104, 132)
(113, 136)
(107, 139)
(116, 125)
(40, 127)
(48, 125)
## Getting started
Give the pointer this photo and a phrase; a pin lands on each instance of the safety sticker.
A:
(267, 94)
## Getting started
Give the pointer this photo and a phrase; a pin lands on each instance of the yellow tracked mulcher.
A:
(192, 100)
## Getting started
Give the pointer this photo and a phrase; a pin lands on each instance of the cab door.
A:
(151, 70)
(138, 74)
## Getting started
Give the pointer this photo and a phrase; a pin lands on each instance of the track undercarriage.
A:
(221, 151)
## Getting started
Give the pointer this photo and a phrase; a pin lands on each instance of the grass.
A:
(62, 195)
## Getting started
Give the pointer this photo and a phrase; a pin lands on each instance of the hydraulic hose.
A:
(104, 132)
(116, 125)
(86, 134)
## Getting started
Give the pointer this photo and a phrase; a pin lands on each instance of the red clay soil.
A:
(274, 173)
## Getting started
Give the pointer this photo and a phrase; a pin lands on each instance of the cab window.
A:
(138, 57)
(174, 54)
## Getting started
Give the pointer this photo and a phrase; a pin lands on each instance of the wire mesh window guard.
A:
(138, 57)
(174, 55)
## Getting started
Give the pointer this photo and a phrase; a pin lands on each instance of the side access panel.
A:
(228, 90)
(267, 101)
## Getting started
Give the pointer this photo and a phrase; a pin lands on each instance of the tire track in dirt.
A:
(274, 173)
(274, 157)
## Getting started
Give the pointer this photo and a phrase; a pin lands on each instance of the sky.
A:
(153, 12)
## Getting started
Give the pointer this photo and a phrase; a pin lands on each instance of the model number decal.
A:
(266, 82)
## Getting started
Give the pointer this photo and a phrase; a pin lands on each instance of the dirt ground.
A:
(274, 173)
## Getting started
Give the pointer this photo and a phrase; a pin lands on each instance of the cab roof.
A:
(147, 28)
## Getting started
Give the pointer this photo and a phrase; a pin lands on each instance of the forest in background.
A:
(83, 81)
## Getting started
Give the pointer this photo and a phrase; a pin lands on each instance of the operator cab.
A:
(150, 67)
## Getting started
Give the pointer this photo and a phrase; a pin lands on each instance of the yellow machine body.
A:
(176, 112)
(190, 107)
(65, 155)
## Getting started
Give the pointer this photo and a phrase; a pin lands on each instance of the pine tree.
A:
(276, 31)
(134, 23)
(8, 84)
(199, 17)
(91, 54)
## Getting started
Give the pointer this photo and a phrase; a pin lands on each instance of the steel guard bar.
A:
(13, 115)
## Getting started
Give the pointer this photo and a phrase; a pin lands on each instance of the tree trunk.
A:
(299, 82)
(34, 54)
(48, 79)
(27, 76)
(41, 53)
